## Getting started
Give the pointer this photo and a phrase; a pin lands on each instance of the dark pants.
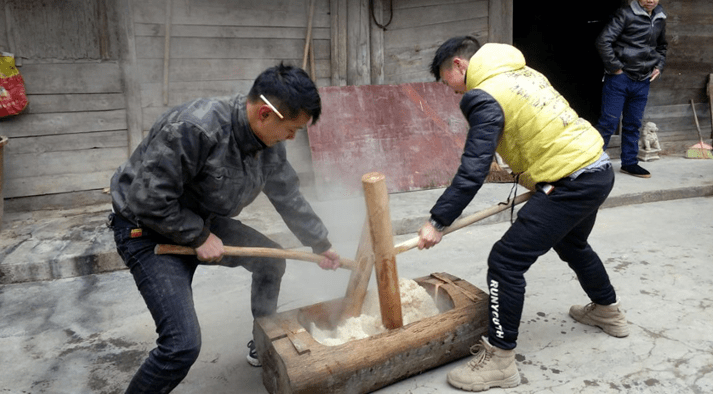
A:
(561, 220)
(625, 98)
(164, 282)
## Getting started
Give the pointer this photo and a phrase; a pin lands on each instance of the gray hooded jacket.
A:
(201, 160)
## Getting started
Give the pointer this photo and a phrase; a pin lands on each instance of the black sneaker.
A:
(635, 170)
(252, 355)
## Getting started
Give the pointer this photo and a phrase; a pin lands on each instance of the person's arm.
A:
(486, 120)
(661, 49)
(605, 43)
(282, 189)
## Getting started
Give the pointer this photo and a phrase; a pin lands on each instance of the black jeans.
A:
(561, 220)
(164, 282)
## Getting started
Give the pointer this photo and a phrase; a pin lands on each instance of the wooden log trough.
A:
(294, 362)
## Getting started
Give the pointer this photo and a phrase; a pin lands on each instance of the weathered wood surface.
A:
(72, 135)
(689, 30)
(61, 30)
(294, 362)
(382, 239)
(359, 278)
(418, 28)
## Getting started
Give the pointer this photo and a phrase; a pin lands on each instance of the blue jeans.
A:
(625, 98)
(561, 220)
(164, 282)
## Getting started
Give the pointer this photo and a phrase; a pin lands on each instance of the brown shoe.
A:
(491, 367)
(607, 317)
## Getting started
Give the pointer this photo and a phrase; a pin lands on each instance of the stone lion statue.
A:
(648, 140)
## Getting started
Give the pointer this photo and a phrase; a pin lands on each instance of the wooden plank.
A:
(66, 78)
(36, 26)
(61, 163)
(36, 186)
(217, 48)
(358, 64)
(281, 13)
(69, 142)
(129, 73)
(376, 46)
(67, 122)
(289, 33)
(419, 38)
(453, 14)
(500, 15)
(51, 103)
(190, 70)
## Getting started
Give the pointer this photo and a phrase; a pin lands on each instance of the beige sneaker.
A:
(607, 317)
(491, 367)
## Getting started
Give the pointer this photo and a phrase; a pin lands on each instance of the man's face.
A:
(453, 74)
(648, 5)
(271, 129)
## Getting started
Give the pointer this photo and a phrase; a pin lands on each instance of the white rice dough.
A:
(416, 304)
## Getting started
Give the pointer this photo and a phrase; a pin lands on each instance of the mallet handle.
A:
(256, 252)
(466, 221)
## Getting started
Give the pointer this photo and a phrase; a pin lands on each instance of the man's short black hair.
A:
(462, 46)
(289, 89)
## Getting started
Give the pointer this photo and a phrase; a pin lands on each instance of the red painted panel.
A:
(412, 133)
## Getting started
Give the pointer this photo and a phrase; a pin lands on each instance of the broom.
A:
(699, 150)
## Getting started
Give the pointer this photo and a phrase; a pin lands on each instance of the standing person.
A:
(201, 164)
(514, 111)
(633, 49)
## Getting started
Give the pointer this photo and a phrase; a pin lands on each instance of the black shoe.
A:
(635, 170)
(252, 355)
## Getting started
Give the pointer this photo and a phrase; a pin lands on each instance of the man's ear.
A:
(263, 112)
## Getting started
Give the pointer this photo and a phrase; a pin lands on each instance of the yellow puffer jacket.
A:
(543, 139)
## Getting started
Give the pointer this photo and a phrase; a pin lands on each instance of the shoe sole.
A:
(509, 382)
(636, 175)
(254, 362)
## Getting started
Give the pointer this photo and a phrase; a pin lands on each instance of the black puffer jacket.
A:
(201, 160)
(634, 41)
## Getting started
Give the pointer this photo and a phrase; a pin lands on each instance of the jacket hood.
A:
(492, 59)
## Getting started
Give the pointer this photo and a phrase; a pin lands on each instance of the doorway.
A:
(557, 38)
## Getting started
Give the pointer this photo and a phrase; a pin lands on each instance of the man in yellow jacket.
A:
(514, 111)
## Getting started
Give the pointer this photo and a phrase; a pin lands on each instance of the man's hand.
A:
(428, 236)
(330, 260)
(655, 74)
(212, 249)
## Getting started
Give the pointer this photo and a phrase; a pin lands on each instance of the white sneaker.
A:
(252, 355)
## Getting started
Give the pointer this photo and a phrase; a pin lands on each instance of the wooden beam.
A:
(387, 279)
(500, 21)
(129, 75)
(359, 278)
(376, 46)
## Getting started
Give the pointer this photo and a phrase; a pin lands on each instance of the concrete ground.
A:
(89, 333)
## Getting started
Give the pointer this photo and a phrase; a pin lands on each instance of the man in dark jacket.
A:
(633, 49)
(200, 165)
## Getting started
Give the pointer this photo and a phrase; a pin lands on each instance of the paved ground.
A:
(88, 334)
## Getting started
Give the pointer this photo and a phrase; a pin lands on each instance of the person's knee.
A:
(180, 351)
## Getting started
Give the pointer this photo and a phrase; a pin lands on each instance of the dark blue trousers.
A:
(561, 220)
(165, 283)
(625, 98)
